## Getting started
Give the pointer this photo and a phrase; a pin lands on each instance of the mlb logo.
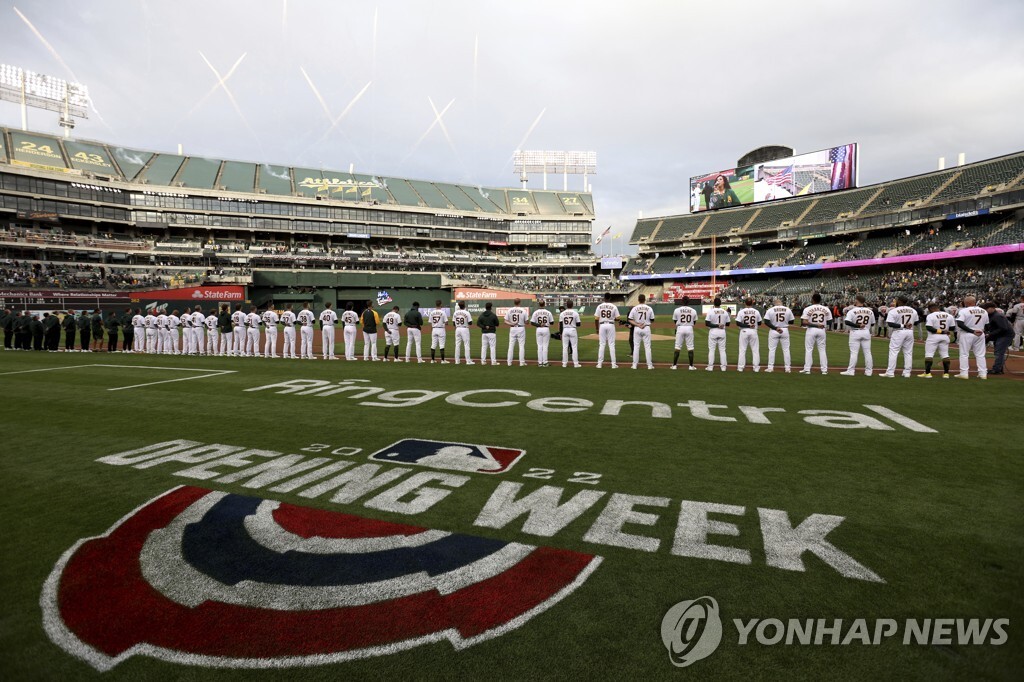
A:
(436, 454)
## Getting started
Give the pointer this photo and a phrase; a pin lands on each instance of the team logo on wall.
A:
(383, 298)
(210, 578)
(436, 454)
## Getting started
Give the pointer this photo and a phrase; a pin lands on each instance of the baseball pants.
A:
(860, 340)
(543, 343)
(462, 341)
(776, 339)
(642, 337)
(605, 337)
(971, 344)
(570, 340)
(901, 341)
(517, 336)
(414, 339)
(489, 341)
(815, 338)
(749, 339)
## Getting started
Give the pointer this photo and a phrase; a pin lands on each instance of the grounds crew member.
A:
(69, 326)
(36, 325)
(7, 324)
(413, 322)
(488, 323)
(128, 336)
(112, 322)
(84, 337)
(1000, 332)
(97, 329)
(51, 331)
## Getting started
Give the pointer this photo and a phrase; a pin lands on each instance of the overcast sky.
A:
(660, 90)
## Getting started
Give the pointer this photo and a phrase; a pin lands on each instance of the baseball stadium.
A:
(770, 433)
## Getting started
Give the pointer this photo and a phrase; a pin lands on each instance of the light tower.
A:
(566, 163)
(37, 90)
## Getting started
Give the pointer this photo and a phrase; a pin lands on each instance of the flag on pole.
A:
(604, 234)
(617, 236)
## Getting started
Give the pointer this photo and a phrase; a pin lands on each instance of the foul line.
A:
(207, 373)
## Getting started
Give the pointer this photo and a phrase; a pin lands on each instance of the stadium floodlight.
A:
(38, 90)
(544, 162)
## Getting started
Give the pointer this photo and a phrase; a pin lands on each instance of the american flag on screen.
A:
(842, 166)
(784, 176)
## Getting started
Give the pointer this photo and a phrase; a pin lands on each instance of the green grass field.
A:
(936, 515)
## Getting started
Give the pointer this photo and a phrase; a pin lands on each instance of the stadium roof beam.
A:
(566, 163)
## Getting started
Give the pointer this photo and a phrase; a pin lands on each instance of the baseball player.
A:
(252, 333)
(815, 317)
(716, 319)
(328, 318)
(306, 319)
(270, 319)
(605, 317)
(227, 337)
(149, 321)
(542, 319)
(488, 323)
(570, 320)
(940, 326)
(370, 320)
(185, 320)
(163, 337)
(901, 318)
(462, 319)
(238, 331)
(288, 321)
(392, 321)
(413, 334)
(172, 332)
(860, 319)
(748, 320)
(212, 334)
(777, 319)
(198, 329)
(349, 320)
(139, 327)
(438, 320)
(1016, 317)
(640, 318)
(971, 321)
(516, 318)
(684, 318)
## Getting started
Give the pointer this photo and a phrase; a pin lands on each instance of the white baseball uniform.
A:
(606, 315)
(437, 318)
(392, 321)
(570, 320)
(902, 339)
(328, 318)
(172, 332)
(198, 335)
(349, 320)
(306, 319)
(252, 335)
(543, 319)
(781, 317)
(1016, 312)
(815, 318)
(642, 315)
(860, 320)
(750, 319)
(975, 319)
(462, 319)
(270, 320)
(163, 337)
(938, 341)
(152, 340)
(718, 318)
(212, 333)
(239, 332)
(684, 317)
(139, 338)
(516, 318)
(288, 320)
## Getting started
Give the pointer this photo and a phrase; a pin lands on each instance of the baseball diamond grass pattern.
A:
(938, 516)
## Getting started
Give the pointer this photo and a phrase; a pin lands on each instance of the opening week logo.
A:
(211, 578)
